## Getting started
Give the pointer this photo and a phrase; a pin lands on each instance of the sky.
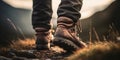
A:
(89, 6)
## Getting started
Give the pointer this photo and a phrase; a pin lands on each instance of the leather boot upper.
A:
(66, 29)
(43, 38)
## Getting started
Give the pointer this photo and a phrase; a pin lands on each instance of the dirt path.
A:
(12, 54)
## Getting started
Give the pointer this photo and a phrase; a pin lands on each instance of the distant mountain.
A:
(103, 24)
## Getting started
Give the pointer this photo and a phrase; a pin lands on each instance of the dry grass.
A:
(95, 51)
(98, 51)
(23, 44)
(18, 45)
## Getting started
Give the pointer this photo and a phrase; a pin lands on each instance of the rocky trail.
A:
(55, 53)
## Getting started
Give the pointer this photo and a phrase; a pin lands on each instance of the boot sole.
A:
(67, 45)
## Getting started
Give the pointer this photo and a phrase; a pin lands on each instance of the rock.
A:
(19, 58)
(24, 53)
(4, 58)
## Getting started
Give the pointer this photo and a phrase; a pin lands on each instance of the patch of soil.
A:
(55, 53)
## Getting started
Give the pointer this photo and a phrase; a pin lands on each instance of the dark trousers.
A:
(42, 11)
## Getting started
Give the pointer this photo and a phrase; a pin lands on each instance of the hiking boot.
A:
(44, 36)
(65, 35)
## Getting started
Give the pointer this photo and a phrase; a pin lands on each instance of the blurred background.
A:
(99, 20)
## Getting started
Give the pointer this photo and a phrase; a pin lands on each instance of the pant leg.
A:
(70, 9)
(42, 13)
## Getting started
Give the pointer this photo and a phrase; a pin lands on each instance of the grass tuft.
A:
(98, 51)
(23, 44)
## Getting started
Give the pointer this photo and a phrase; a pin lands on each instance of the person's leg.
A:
(68, 15)
(70, 9)
(41, 17)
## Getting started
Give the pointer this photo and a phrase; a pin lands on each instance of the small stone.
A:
(4, 58)
(19, 58)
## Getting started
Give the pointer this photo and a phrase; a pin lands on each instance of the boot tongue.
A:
(39, 29)
(65, 25)
(66, 22)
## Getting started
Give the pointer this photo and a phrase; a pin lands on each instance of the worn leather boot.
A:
(65, 35)
(44, 37)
